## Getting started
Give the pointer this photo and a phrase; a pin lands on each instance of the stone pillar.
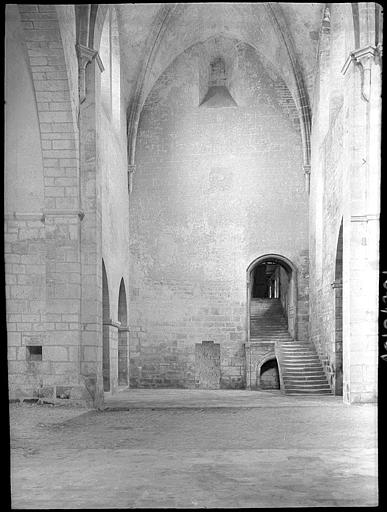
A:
(54, 317)
(361, 225)
(90, 68)
(110, 354)
(123, 356)
(337, 287)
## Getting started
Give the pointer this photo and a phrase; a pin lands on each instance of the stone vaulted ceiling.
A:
(153, 34)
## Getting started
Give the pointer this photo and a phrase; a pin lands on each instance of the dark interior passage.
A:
(270, 281)
(269, 375)
(272, 300)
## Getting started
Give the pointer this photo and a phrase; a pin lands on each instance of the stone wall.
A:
(214, 189)
(115, 197)
(344, 192)
(42, 208)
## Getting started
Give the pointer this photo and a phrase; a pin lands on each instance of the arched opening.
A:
(338, 289)
(268, 374)
(271, 296)
(123, 350)
(105, 333)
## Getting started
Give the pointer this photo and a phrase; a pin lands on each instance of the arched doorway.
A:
(338, 290)
(105, 332)
(271, 287)
(268, 374)
(123, 351)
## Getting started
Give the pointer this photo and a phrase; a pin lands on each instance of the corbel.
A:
(86, 55)
(362, 59)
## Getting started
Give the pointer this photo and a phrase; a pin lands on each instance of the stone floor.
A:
(195, 449)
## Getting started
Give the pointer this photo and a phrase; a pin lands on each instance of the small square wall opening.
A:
(34, 353)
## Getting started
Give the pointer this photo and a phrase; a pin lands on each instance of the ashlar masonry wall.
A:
(214, 189)
(41, 206)
(344, 192)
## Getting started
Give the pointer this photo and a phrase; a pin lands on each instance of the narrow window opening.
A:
(34, 353)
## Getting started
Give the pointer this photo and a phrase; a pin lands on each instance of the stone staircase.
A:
(301, 372)
(267, 321)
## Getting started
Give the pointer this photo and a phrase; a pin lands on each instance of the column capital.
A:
(361, 55)
(307, 168)
(86, 55)
(112, 323)
(363, 58)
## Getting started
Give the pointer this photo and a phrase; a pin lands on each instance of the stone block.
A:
(55, 353)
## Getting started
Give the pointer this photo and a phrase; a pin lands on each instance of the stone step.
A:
(297, 357)
(308, 392)
(306, 385)
(274, 325)
(268, 314)
(268, 318)
(296, 372)
(295, 387)
(279, 333)
(298, 361)
(308, 378)
(292, 345)
(269, 327)
(300, 367)
(300, 379)
(296, 352)
(268, 331)
(264, 339)
(285, 335)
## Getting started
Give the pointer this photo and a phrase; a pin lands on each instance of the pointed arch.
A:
(122, 305)
(267, 359)
(290, 304)
(123, 338)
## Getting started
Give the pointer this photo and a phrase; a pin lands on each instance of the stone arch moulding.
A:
(302, 100)
(134, 111)
(291, 268)
(159, 27)
(267, 357)
(89, 23)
